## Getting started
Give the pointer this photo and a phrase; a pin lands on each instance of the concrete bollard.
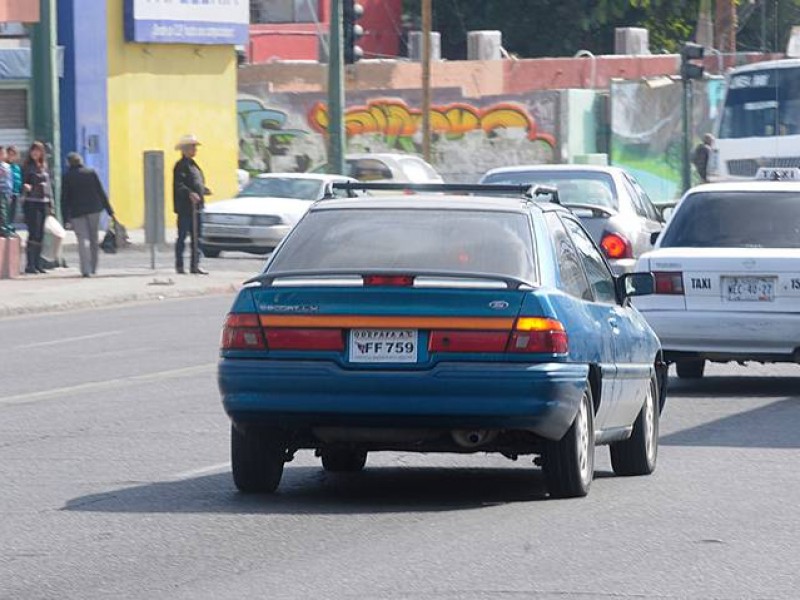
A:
(9, 257)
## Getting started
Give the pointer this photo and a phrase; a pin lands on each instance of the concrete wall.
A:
(156, 94)
(286, 132)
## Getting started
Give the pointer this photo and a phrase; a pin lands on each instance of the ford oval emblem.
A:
(498, 305)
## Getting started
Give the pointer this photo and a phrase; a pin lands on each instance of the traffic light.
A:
(352, 11)
(690, 52)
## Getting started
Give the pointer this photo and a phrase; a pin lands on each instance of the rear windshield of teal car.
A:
(595, 188)
(453, 242)
(736, 220)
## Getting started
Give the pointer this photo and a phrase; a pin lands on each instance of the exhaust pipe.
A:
(473, 438)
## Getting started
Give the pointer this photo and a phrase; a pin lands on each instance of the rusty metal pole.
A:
(427, 10)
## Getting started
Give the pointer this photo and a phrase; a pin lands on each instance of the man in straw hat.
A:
(188, 191)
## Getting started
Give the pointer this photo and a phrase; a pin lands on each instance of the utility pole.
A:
(46, 114)
(763, 26)
(426, 78)
(726, 26)
(336, 91)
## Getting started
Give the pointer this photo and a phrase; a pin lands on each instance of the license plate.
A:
(384, 345)
(749, 289)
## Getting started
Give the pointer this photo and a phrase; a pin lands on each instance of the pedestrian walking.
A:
(12, 158)
(702, 155)
(83, 199)
(188, 192)
(38, 203)
(6, 189)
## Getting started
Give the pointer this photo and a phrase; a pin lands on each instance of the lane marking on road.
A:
(68, 340)
(210, 470)
(107, 384)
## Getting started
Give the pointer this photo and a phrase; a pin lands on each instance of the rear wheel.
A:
(209, 253)
(569, 463)
(257, 458)
(637, 455)
(343, 460)
(690, 368)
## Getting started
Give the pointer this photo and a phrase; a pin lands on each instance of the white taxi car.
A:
(727, 273)
(263, 212)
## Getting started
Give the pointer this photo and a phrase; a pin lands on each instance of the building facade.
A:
(137, 76)
(298, 29)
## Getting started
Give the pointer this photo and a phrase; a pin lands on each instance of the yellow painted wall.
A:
(156, 94)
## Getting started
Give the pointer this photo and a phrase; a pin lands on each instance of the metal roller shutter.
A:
(14, 118)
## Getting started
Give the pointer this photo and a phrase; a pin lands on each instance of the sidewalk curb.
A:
(158, 293)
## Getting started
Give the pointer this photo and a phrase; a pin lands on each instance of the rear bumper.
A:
(542, 398)
(727, 335)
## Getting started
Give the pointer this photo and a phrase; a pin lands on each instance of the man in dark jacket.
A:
(82, 200)
(188, 191)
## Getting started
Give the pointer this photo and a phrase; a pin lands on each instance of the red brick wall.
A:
(26, 11)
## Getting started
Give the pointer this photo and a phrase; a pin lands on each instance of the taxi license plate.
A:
(749, 289)
(384, 345)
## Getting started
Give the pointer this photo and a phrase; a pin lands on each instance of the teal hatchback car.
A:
(438, 322)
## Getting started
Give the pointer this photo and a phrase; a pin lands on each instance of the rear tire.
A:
(638, 454)
(208, 253)
(343, 460)
(257, 458)
(569, 463)
(690, 368)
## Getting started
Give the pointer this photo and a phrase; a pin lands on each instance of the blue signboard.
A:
(187, 21)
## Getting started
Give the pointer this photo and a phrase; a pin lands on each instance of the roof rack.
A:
(526, 191)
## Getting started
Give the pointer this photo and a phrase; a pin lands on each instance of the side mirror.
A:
(665, 210)
(654, 237)
(636, 284)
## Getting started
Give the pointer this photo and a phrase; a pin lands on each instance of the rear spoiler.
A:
(525, 191)
(268, 278)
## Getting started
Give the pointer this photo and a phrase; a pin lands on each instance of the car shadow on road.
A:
(776, 425)
(737, 387)
(309, 490)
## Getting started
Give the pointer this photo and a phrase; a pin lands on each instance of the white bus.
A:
(759, 126)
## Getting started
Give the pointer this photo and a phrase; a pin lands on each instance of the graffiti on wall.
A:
(401, 125)
(468, 138)
(267, 143)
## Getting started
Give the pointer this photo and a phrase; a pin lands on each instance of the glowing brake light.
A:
(616, 246)
(669, 282)
(388, 280)
(242, 332)
(538, 334)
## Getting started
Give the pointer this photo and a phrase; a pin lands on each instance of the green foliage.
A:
(558, 28)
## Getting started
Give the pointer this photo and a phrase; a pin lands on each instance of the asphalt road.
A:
(114, 483)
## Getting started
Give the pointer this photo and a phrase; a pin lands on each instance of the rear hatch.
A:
(390, 286)
(734, 250)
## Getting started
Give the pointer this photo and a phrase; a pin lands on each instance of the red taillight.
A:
(389, 280)
(616, 246)
(468, 341)
(669, 282)
(537, 334)
(305, 339)
(242, 332)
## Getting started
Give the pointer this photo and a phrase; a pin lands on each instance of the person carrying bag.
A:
(83, 199)
(38, 203)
